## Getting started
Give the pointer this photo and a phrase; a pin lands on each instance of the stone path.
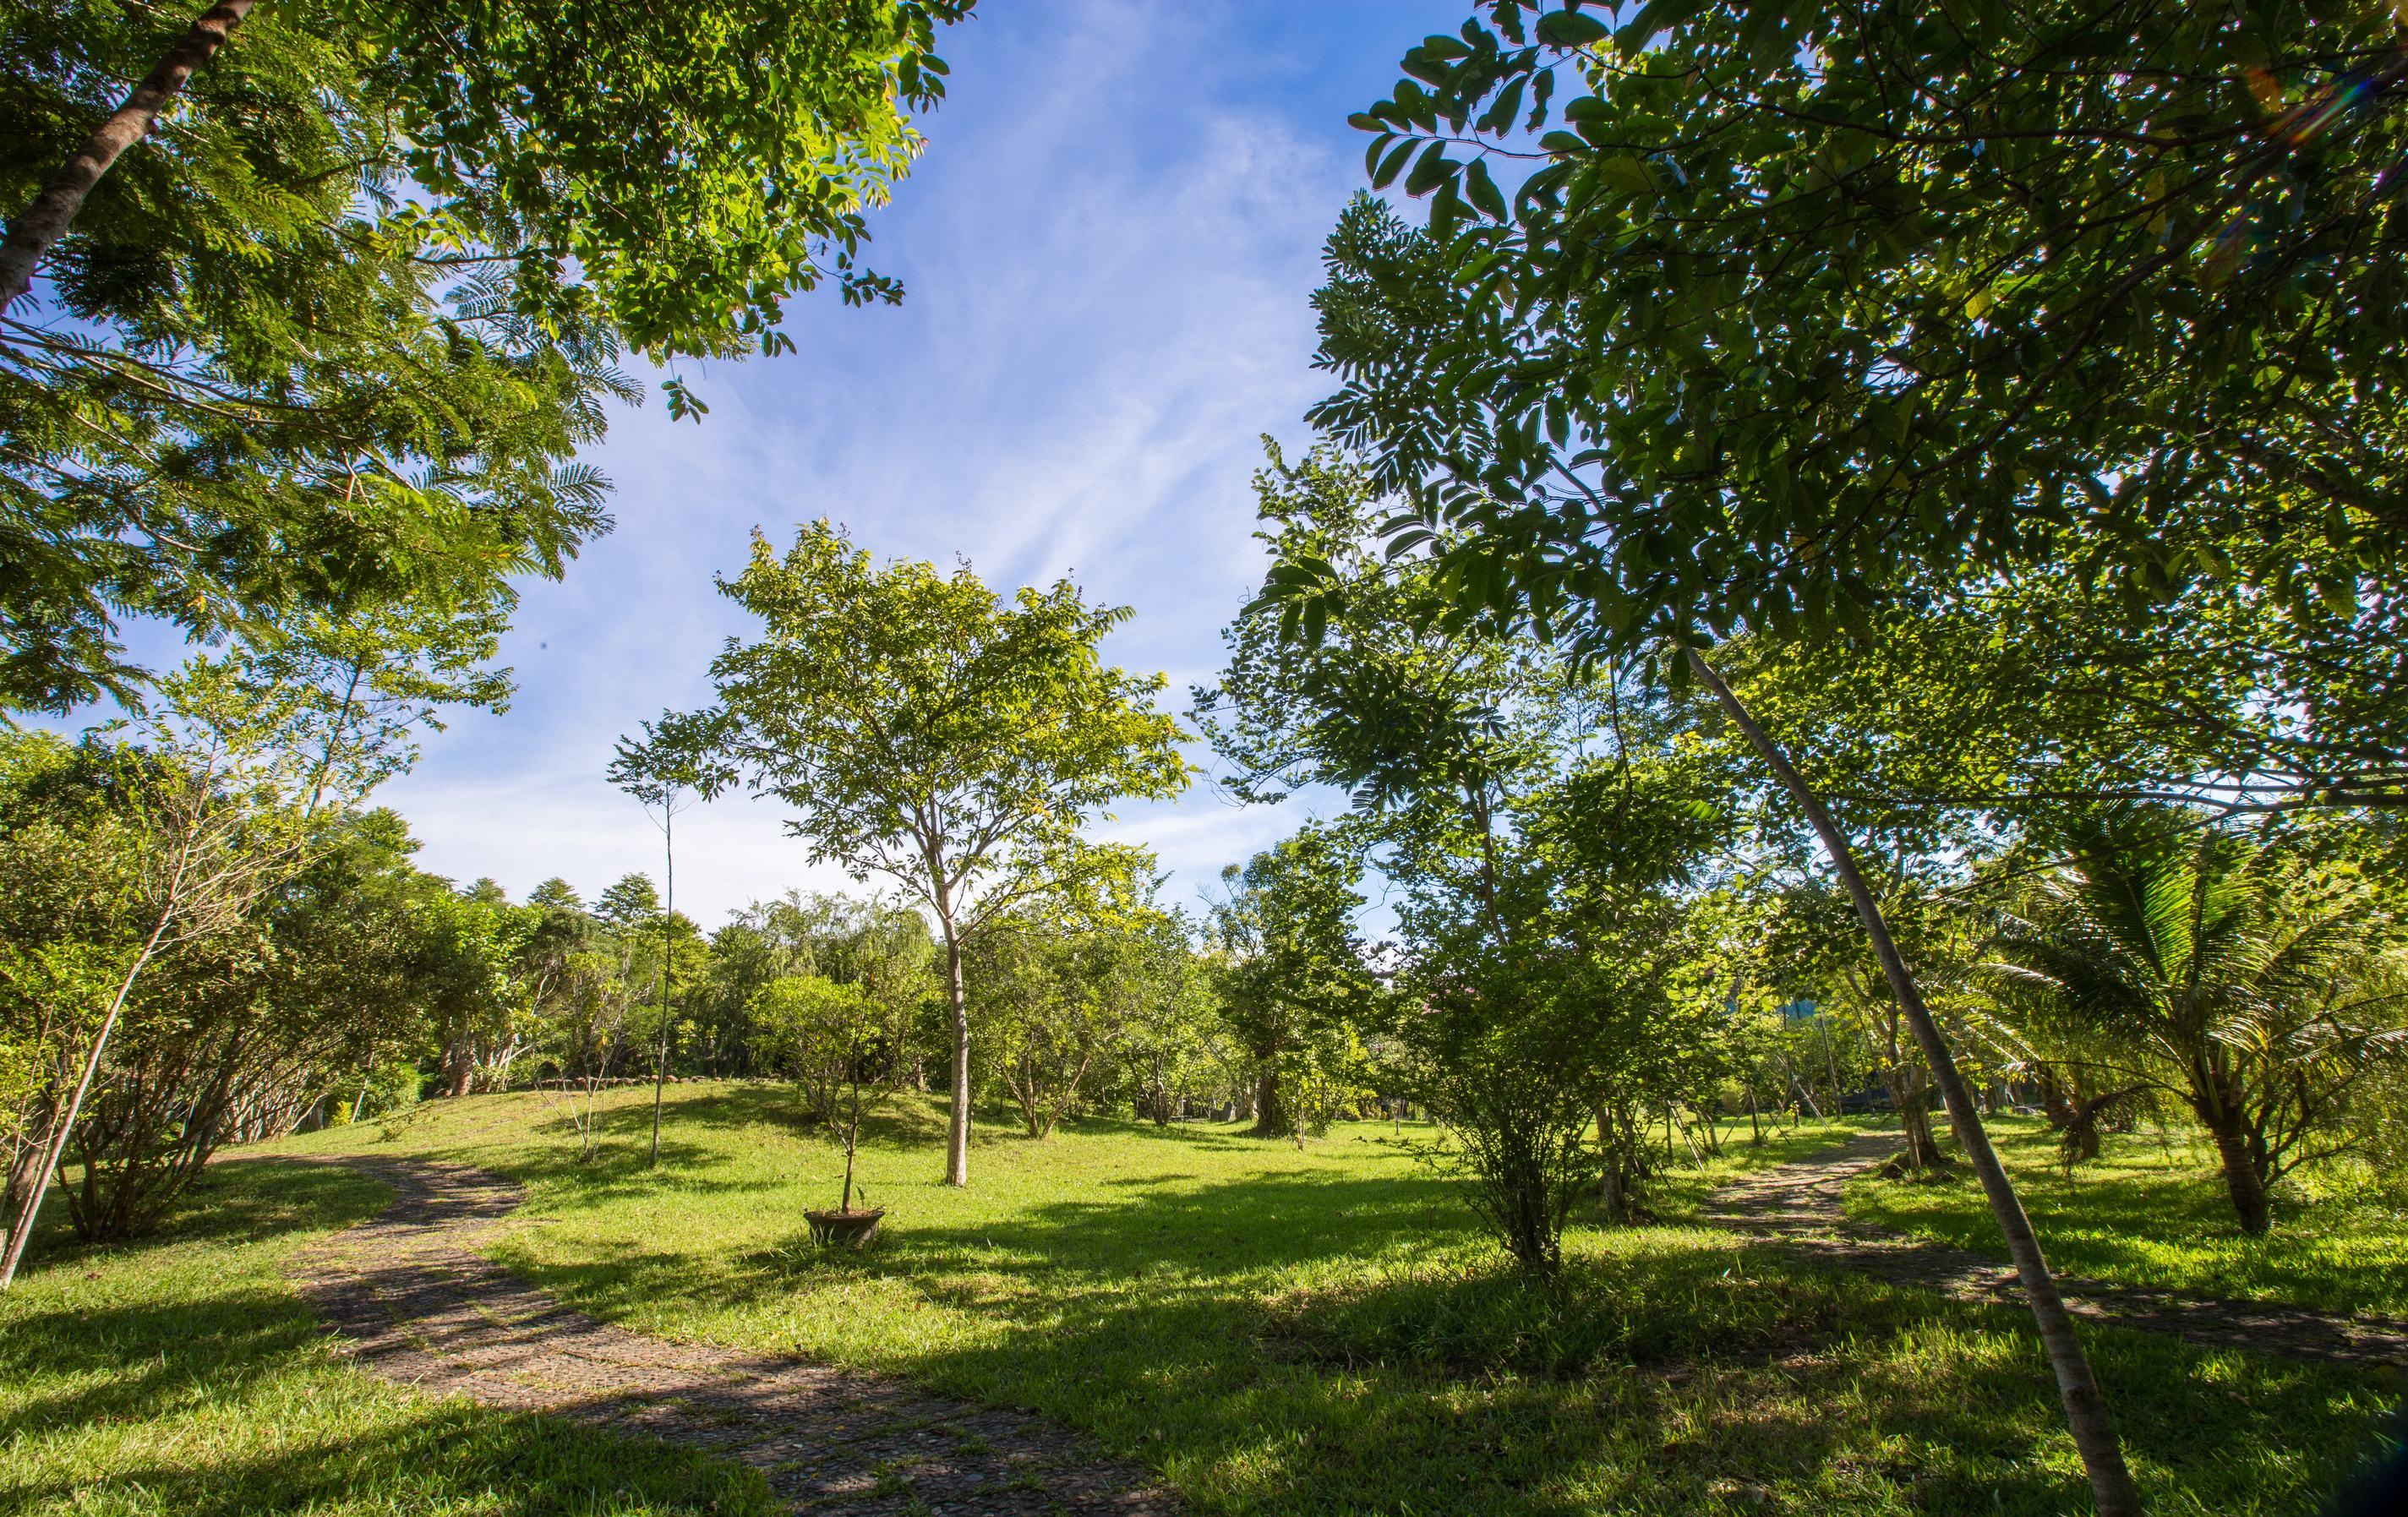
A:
(1797, 1205)
(416, 1300)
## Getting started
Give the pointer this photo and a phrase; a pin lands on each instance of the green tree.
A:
(1809, 315)
(229, 792)
(1065, 977)
(663, 773)
(555, 895)
(445, 243)
(846, 1047)
(928, 732)
(238, 1036)
(1293, 980)
(2234, 973)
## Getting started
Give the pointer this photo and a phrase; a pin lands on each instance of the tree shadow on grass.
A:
(442, 1458)
(1311, 1343)
(243, 1199)
(180, 1375)
(236, 1383)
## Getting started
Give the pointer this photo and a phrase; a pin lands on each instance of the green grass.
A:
(1325, 1331)
(2152, 1211)
(182, 1379)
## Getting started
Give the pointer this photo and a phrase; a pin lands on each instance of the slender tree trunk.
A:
(957, 1139)
(38, 227)
(669, 967)
(1754, 1128)
(2086, 1410)
(1831, 1064)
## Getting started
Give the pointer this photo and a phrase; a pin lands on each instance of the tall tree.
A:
(929, 732)
(663, 772)
(1802, 315)
(1293, 977)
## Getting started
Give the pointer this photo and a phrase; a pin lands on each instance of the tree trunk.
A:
(1831, 1062)
(1271, 1118)
(2086, 1410)
(38, 227)
(1913, 1121)
(2243, 1178)
(958, 1137)
(669, 967)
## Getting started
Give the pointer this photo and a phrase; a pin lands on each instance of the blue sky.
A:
(1109, 251)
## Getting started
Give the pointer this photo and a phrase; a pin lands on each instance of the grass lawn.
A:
(1317, 1332)
(2152, 1211)
(181, 1378)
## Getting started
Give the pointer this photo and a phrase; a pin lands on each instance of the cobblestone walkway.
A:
(416, 1301)
(1798, 1205)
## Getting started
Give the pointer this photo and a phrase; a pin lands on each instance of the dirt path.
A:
(419, 1303)
(1799, 1206)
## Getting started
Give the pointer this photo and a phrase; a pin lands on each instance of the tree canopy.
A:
(329, 337)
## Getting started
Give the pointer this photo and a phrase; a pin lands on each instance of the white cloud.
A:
(1109, 253)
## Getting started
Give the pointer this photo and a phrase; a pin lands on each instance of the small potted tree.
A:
(842, 1044)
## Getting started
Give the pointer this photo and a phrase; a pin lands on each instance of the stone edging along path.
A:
(417, 1301)
(1797, 1205)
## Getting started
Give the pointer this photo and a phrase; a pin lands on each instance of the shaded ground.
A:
(417, 1302)
(1798, 1205)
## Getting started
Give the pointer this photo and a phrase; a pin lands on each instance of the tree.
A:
(2230, 969)
(1166, 1040)
(1705, 374)
(586, 1031)
(556, 895)
(446, 243)
(1065, 977)
(1293, 980)
(1768, 337)
(844, 1045)
(238, 1036)
(663, 772)
(930, 733)
(240, 767)
(1542, 828)
(470, 954)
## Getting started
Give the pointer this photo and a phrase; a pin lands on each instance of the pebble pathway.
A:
(413, 1297)
(1797, 1205)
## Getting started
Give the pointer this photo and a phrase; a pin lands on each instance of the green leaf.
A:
(1569, 28)
(1430, 170)
(1482, 190)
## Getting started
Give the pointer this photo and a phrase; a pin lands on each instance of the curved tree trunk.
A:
(38, 227)
(2243, 1180)
(2086, 1410)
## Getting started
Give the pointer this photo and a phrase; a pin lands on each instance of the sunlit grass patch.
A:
(2152, 1211)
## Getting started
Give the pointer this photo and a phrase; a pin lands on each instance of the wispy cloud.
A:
(1109, 253)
